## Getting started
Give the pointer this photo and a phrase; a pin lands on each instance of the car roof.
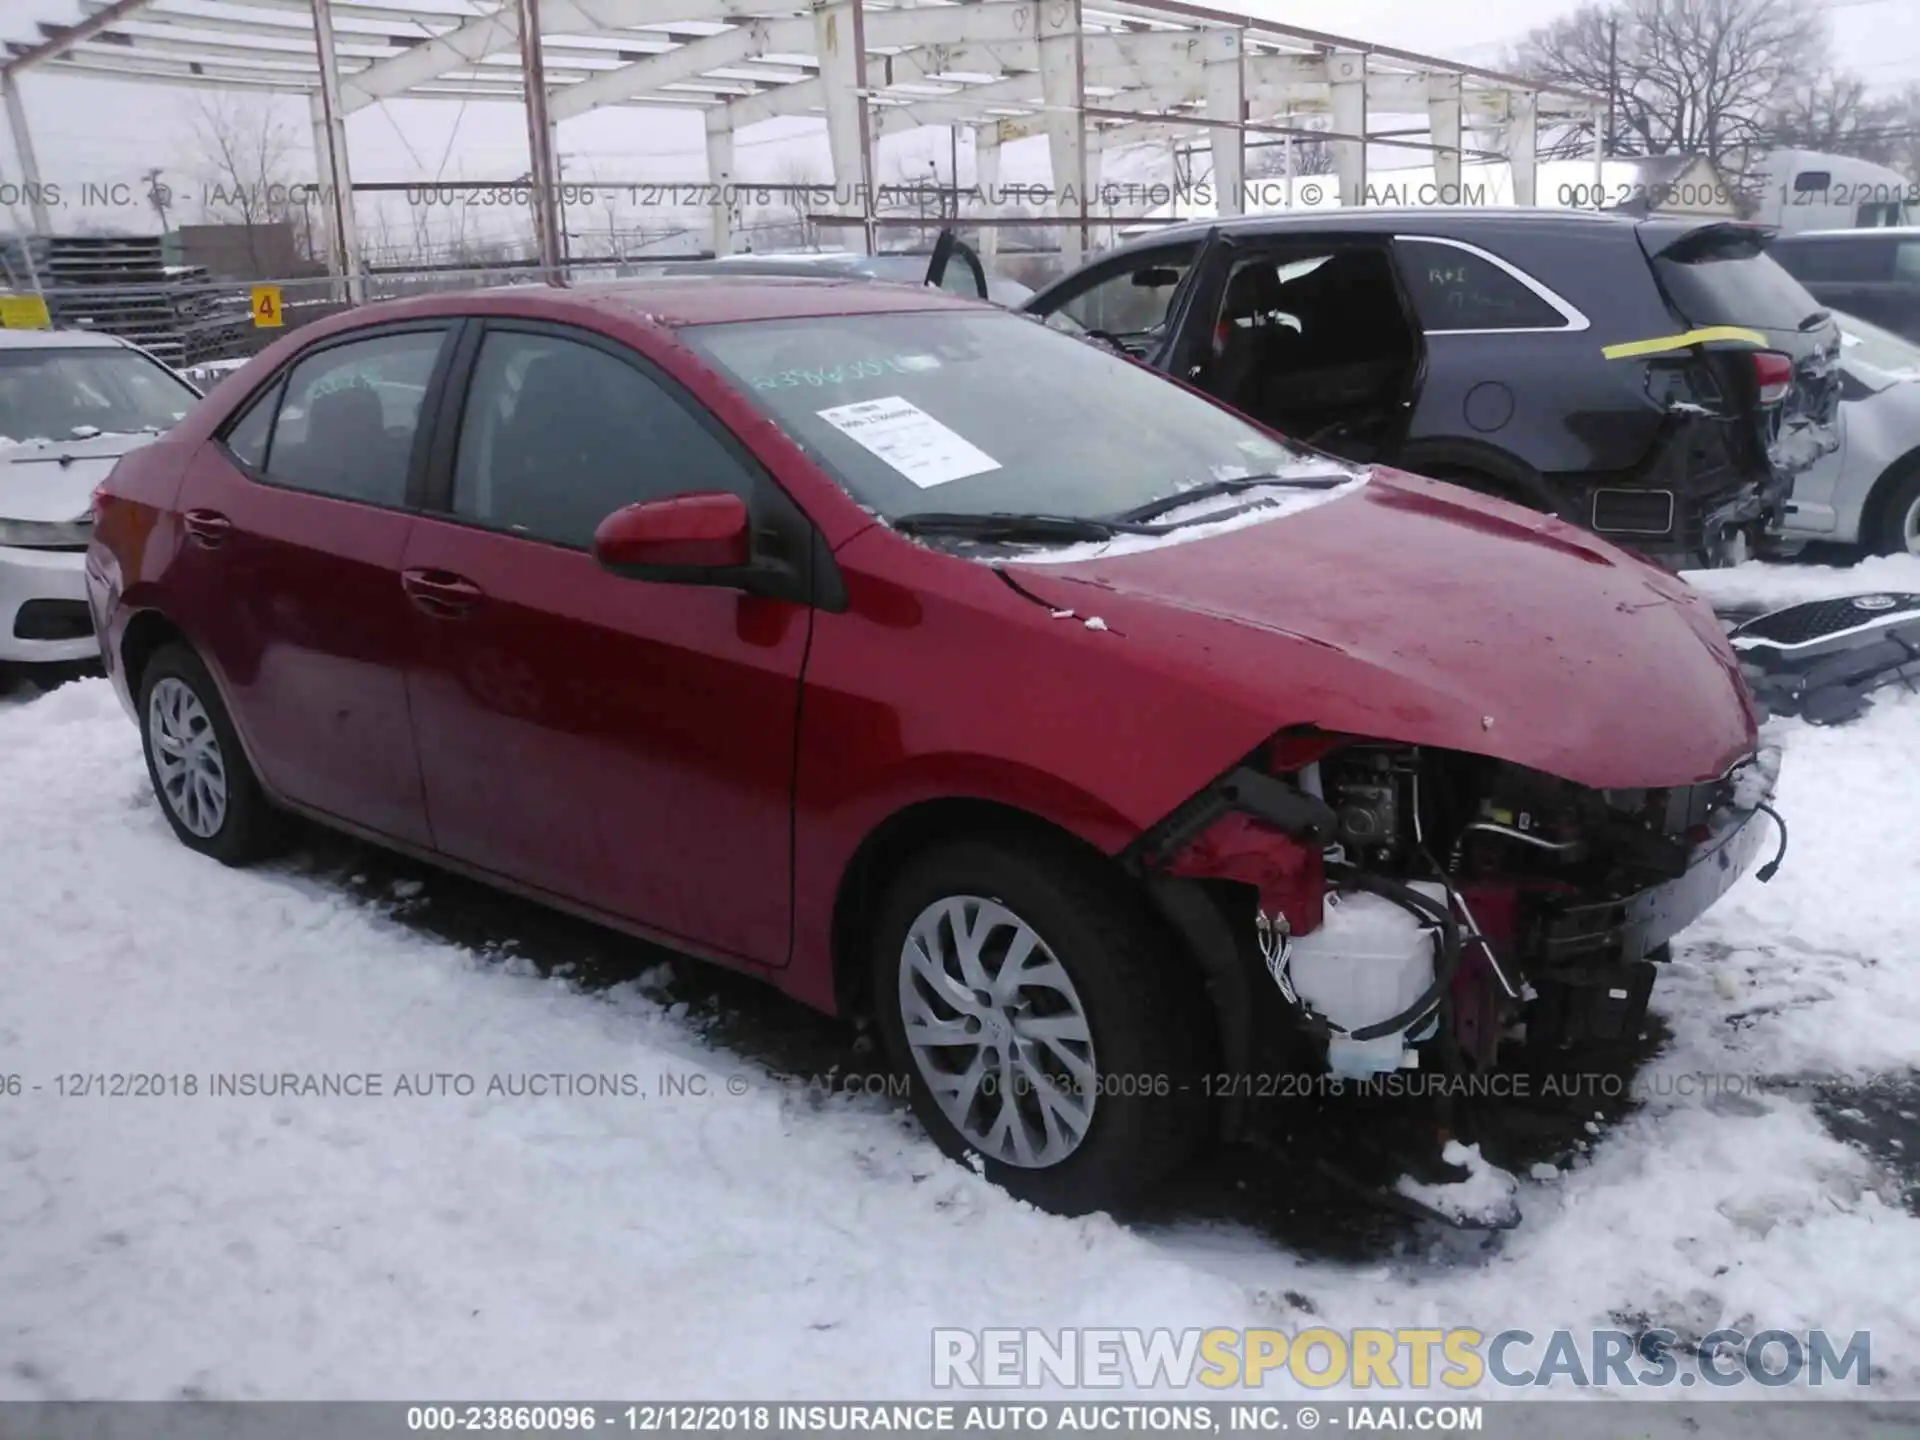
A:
(1863, 232)
(59, 340)
(1435, 219)
(672, 301)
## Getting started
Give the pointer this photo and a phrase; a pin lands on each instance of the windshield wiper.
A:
(1010, 525)
(1212, 488)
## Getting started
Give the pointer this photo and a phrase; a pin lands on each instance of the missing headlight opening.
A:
(1407, 908)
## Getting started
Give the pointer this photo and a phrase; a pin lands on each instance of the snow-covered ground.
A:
(768, 1239)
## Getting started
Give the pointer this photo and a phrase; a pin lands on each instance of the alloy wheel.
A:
(186, 757)
(997, 1031)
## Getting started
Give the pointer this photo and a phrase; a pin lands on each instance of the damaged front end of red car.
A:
(1392, 907)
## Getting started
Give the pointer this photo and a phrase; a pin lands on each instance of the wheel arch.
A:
(1873, 511)
(143, 637)
(1516, 480)
(1195, 928)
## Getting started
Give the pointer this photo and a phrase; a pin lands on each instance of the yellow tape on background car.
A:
(1628, 348)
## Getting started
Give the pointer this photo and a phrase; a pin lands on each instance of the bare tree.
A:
(1310, 156)
(1693, 77)
(1832, 112)
(247, 155)
(800, 172)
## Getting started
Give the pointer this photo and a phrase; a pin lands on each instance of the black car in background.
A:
(1874, 274)
(1660, 381)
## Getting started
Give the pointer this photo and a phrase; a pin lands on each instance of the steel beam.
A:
(1523, 155)
(23, 151)
(1443, 125)
(1059, 27)
(720, 177)
(543, 176)
(1347, 80)
(1226, 84)
(343, 232)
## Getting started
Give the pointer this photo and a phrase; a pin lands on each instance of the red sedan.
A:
(1109, 748)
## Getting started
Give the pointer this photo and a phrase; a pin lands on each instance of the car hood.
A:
(1418, 612)
(54, 479)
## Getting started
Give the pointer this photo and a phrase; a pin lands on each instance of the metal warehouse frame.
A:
(1088, 74)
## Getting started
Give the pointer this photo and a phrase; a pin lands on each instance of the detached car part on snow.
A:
(1823, 659)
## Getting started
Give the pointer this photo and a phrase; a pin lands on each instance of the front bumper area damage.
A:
(1362, 910)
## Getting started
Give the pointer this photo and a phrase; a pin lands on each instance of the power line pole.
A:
(1613, 75)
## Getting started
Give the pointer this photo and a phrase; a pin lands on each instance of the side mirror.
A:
(680, 538)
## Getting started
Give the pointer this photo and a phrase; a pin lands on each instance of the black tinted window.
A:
(559, 434)
(1454, 289)
(1849, 259)
(1726, 278)
(347, 425)
(247, 436)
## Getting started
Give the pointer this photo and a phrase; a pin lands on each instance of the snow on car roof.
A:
(58, 340)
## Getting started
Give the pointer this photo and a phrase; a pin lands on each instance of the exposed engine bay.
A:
(1420, 908)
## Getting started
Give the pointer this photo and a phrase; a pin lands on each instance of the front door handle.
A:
(440, 593)
(207, 527)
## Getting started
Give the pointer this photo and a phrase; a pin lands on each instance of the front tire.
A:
(200, 775)
(1045, 1021)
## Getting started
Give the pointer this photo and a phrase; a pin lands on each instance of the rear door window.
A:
(347, 425)
(1455, 289)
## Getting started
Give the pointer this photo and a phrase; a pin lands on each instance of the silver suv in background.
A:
(1867, 492)
(72, 402)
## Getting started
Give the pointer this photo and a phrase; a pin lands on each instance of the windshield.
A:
(978, 412)
(58, 394)
(1882, 349)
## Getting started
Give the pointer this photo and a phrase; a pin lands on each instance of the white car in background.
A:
(1867, 492)
(71, 404)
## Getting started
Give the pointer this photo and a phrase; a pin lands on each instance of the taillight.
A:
(1774, 373)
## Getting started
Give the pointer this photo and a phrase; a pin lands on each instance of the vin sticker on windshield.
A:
(910, 440)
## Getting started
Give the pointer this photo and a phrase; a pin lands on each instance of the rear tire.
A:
(200, 775)
(1099, 1041)
(1897, 518)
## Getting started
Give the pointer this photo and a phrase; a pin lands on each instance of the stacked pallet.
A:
(120, 284)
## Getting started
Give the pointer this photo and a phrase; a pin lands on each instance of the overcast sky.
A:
(93, 130)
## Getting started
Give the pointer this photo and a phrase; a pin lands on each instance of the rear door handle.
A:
(440, 593)
(208, 527)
